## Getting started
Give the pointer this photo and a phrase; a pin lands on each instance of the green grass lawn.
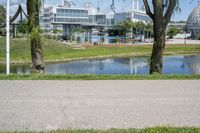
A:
(146, 130)
(97, 77)
(55, 51)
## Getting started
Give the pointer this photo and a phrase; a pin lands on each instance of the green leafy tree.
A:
(86, 39)
(148, 28)
(73, 38)
(118, 40)
(23, 27)
(3, 16)
(198, 37)
(68, 37)
(140, 26)
(57, 31)
(125, 26)
(102, 39)
(172, 32)
(78, 39)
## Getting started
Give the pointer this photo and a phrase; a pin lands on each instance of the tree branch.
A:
(148, 10)
(170, 10)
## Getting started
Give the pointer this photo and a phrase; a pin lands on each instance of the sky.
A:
(186, 6)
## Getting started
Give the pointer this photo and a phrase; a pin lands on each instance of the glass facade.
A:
(66, 16)
(71, 13)
(141, 17)
(71, 20)
(100, 19)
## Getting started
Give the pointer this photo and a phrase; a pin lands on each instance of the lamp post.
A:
(8, 38)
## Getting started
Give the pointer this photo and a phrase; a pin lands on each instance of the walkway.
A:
(48, 105)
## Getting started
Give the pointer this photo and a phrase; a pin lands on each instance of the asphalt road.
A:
(49, 105)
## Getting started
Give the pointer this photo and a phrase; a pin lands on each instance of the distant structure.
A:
(68, 16)
(180, 25)
(17, 19)
(135, 12)
(193, 23)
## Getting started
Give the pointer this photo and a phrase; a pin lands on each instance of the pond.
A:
(129, 65)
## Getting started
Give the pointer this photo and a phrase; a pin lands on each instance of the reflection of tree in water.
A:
(136, 63)
(183, 66)
(101, 65)
(2, 69)
(124, 61)
(193, 63)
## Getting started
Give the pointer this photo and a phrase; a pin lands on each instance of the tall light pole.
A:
(8, 38)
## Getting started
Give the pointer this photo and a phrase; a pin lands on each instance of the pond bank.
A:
(55, 51)
(100, 57)
(96, 77)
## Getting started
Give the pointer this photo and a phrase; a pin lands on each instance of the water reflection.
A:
(193, 63)
(132, 65)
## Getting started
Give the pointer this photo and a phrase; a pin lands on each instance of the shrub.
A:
(86, 39)
(172, 32)
(118, 40)
(198, 37)
(102, 39)
(95, 43)
(73, 38)
(2, 32)
(67, 38)
(78, 39)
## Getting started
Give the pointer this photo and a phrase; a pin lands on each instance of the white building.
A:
(193, 23)
(135, 12)
(68, 16)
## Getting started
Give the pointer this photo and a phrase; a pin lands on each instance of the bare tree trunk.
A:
(161, 17)
(156, 65)
(36, 46)
(159, 39)
(37, 56)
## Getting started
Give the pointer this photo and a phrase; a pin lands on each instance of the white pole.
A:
(62, 2)
(138, 5)
(8, 38)
(133, 5)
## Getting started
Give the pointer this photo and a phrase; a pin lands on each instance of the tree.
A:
(23, 27)
(102, 39)
(3, 16)
(125, 26)
(160, 13)
(35, 37)
(172, 32)
(140, 26)
(86, 39)
(78, 39)
(2, 20)
(148, 29)
(198, 37)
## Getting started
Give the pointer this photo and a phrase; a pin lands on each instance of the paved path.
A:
(47, 105)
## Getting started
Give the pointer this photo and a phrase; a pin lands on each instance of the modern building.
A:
(180, 25)
(68, 16)
(136, 13)
(193, 23)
